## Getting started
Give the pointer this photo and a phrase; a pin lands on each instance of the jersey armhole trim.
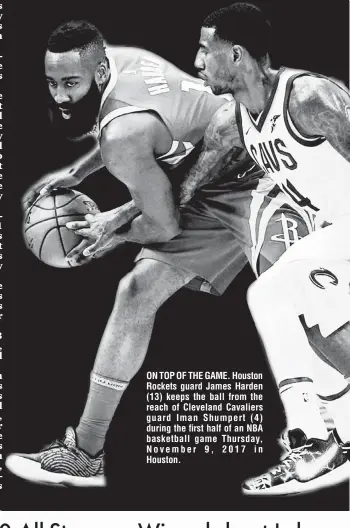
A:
(119, 112)
(132, 110)
(306, 141)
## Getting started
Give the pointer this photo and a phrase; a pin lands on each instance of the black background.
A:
(55, 318)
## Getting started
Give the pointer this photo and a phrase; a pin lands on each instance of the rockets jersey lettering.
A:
(142, 81)
(308, 169)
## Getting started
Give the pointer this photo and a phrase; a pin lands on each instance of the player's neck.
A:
(255, 88)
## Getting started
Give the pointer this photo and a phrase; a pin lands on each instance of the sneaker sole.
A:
(30, 470)
(294, 487)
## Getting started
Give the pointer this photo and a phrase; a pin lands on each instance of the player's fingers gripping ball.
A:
(45, 222)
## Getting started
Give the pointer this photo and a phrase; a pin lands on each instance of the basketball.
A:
(45, 222)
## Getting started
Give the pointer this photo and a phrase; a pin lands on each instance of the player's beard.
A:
(83, 114)
(222, 86)
(221, 81)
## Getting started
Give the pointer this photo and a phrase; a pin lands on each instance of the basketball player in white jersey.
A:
(296, 126)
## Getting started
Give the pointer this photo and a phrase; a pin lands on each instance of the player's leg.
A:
(203, 250)
(286, 226)
(267, 223)
(333, 391)
(206, 251)
(289, 289)
(263, 222)
(334, 349)
(279, 232)
(124, 344)
(78, 459)
(311, 279)
(288, 352)
(290, 358)
(279, 225)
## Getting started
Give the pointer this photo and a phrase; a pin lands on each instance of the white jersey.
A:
(309, 169)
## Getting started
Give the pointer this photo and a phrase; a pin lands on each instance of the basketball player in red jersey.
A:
(150, 116)
(140, 94)
(296, 126)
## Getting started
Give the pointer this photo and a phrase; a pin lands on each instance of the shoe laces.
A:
(293, 456)
(285, 442)
(55, 443)
(66, 443)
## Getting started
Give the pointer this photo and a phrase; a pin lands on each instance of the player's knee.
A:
(148, 286)
(138, 290)
(132, 288)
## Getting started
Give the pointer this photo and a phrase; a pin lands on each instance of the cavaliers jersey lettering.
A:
(308, 169)
(141, 81)
(272, 155)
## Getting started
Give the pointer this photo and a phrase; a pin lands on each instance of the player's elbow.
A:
(163, 226)
(153, 231)
(173, 227)
(172, 233)
(169, 232)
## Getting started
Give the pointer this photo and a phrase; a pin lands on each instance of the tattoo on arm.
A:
(320, 107)
(222, 150)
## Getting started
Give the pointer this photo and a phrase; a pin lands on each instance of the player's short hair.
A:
(75, 35)
(243, 24)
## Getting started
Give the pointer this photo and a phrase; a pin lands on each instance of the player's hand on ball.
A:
(85, 251)
(104, 246)
(63, 178)
(99, 234)
(76, 257)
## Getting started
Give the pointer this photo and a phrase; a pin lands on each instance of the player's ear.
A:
(101, 73)
(237, 53)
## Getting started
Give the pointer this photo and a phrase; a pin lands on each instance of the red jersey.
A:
(142, 81)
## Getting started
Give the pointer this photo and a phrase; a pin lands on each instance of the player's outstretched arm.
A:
(66, 177)
(222, 150)
(320, 107)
